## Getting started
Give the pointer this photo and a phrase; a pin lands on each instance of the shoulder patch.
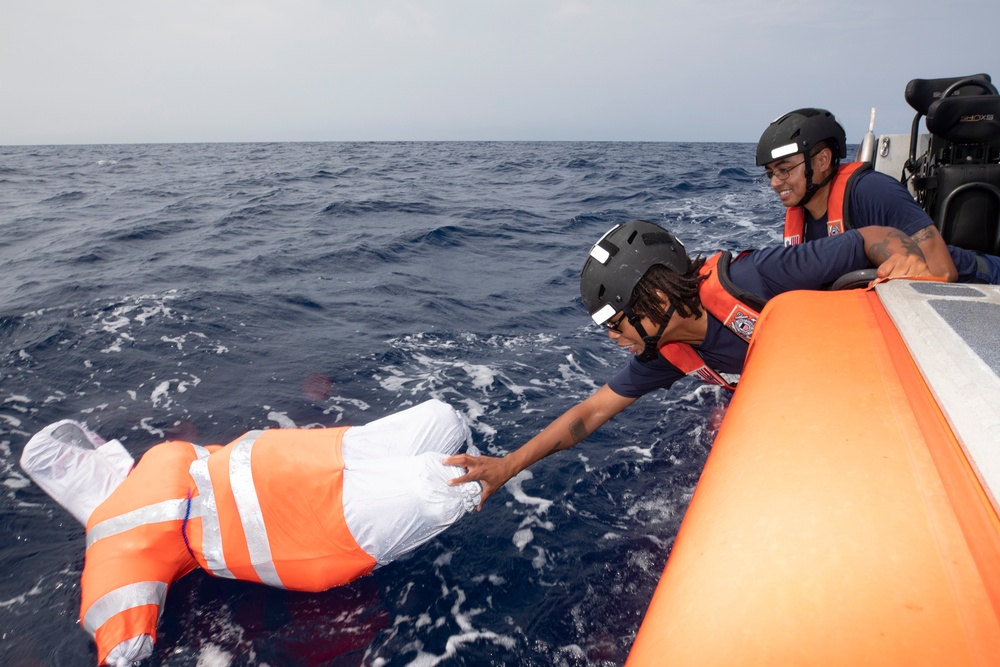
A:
(742, 320)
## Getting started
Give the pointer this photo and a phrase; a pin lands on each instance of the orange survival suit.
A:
(236, 511)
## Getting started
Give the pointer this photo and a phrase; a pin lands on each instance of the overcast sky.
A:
(126, 71)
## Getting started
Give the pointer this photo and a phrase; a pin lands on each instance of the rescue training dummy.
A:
(301, 509)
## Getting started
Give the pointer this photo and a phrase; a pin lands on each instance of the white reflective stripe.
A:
(167, 510)
(600, 254)
(122, 599)
(202, 452)
(211, 534)
(604, 314)
(782, 151)
(248, 506)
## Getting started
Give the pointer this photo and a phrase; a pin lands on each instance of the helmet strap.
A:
(813, 188)
(651, 342)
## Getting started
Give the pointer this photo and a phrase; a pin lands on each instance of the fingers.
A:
(480, 469)
(467, 477)
(487, 492)
(903, 266)
(459, 460)
(890, 268)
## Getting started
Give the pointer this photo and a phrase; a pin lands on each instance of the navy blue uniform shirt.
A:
(766, 273)
(876, 199)
(879, 199)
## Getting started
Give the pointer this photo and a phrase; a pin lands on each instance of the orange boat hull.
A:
(837, 521)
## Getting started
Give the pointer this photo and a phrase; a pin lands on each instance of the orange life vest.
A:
(837, 216)
(736, 308)
(237, 511)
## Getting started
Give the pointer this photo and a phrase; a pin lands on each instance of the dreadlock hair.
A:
(681, 291)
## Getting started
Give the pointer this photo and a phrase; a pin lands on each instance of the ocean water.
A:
(199, 291)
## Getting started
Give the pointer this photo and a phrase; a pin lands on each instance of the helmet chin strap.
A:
(813, 188)
(650, 341)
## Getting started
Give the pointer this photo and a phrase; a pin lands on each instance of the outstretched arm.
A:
(565, 431)
(894, 253)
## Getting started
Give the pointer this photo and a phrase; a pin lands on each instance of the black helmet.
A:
(798, 132)
(620, 259)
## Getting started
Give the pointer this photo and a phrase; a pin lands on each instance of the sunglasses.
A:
(614, 324)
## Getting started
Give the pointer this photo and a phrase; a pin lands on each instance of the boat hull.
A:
(838, 520)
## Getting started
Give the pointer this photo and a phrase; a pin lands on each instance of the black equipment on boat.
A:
(957, 181)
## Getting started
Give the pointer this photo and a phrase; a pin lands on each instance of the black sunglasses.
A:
(616, 324)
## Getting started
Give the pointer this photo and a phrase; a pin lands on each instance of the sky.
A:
(151, 71)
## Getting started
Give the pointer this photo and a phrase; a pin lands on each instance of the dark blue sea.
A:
(198, 291)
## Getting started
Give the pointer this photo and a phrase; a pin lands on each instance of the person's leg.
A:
(431, 426)
(396, 494)
(395, 504)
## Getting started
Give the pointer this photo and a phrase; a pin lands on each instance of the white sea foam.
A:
(213, 656)
(56, 397)
(178, 341)
(516, 489)
(16, 481)
(468, 634)
(645, 452)
(654, 510)
(572, 372)
(160, 396)
(22, 598)
(146, 425)
(338, 403)
(11, 420)
(522, 538)
(280, 418)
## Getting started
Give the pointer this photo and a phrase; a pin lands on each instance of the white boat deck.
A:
(953, 334)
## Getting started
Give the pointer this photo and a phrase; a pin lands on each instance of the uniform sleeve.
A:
(878, 199)
(639, 378)
(809, 266)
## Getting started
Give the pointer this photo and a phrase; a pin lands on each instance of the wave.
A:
(352, 208)
(65, 197)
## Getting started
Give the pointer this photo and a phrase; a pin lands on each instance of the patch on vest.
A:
(742, 320)
(835, 227)
(792, 240)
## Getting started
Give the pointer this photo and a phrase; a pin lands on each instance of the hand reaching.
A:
(490, 471)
